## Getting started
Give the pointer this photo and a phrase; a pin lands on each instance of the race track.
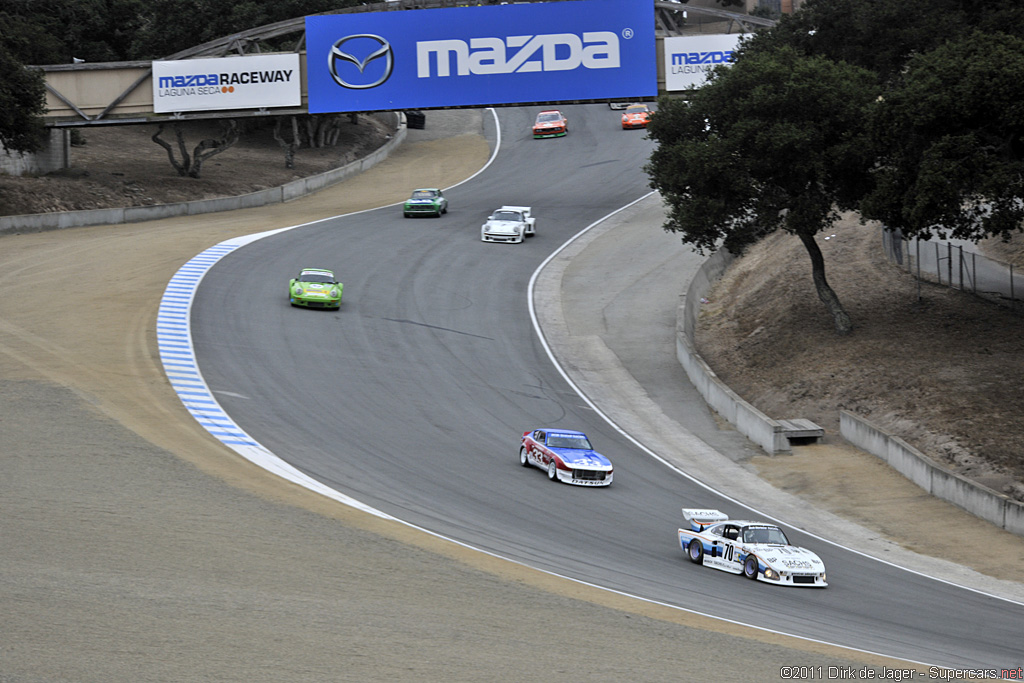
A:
(413, 396)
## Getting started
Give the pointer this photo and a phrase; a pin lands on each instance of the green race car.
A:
(428, 201)
(315, 288)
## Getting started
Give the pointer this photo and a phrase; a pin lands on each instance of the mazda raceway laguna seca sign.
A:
(689, 59)
(248, 82)
(467, 56)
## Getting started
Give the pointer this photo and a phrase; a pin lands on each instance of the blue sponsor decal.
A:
(713, 57)
(468, 56)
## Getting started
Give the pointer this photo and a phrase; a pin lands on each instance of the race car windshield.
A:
(506, 216)
(316, 277)
(423, 194)
(545, 118)
(636, 110)
(568, 441)
(764, 534)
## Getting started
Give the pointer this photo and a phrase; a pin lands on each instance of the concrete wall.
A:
(932, 477)
(748, 420)
(55, 155)
(39, 222)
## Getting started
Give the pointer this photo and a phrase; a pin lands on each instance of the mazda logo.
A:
(338, 56)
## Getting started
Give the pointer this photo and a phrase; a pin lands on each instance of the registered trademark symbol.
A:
(627, 33)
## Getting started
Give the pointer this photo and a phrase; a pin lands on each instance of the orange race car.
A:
(636, 116)
(550, 124)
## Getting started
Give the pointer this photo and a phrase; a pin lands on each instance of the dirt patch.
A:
(122, 166)
(943, 371)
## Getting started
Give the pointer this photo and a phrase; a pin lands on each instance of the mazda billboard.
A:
(467, 56)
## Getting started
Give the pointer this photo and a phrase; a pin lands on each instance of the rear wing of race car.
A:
(700, 518)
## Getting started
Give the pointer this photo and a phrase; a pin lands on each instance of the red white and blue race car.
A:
(757, 550)
(566, 455)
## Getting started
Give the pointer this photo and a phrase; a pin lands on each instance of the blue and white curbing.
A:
(174, 341)
(177, 354)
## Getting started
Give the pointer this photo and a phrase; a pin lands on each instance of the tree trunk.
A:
(211, 147)
(181, 169)
(290, 147)
(840, 317)
(192, 166)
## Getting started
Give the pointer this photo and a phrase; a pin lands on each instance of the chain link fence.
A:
(955, 264)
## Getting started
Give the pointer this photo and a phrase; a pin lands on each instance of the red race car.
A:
(550, 124)
(636, 116)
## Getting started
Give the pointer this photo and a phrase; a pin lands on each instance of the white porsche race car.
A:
(509, 224)
(757, 550)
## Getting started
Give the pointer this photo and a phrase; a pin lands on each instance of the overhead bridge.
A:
(120, 93)
(85, 95)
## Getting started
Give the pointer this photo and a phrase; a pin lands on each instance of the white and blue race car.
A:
(566, 455)
(757, 550)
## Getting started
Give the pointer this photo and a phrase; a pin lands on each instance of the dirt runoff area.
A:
(137, 548)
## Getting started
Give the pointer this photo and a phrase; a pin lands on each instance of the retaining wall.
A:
(39, 222)
(979, 500)
(748, 420)
(55, 155)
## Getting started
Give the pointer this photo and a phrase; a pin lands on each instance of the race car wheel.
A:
(750, 567)
(523, 459)
(553, 471)
(696, 551)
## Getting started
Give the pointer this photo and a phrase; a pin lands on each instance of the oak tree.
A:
(950, 139)
(776, 141)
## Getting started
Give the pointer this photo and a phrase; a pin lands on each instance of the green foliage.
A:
(910, 111)
(22, 102)
(949, 135)
(775, 141)
(170, 26)
(58, 31)
(881, 35)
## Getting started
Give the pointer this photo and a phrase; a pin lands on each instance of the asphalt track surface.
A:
(412, 399)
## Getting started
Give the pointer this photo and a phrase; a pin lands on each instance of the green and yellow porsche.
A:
(426, 201)
(315, 288)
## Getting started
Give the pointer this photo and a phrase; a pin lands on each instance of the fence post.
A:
(917, 244)
(949, 262)
(960, 268)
